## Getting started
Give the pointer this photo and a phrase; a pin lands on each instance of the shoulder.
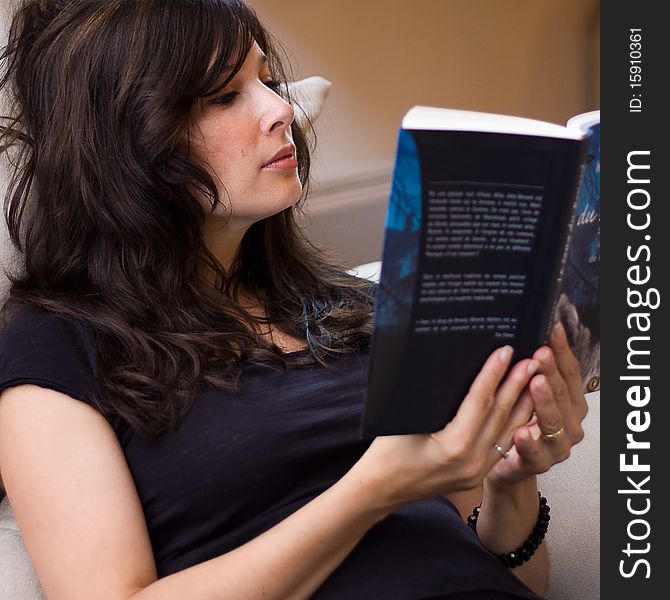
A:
(46, 349)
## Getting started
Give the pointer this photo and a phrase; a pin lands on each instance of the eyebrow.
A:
(262, 59)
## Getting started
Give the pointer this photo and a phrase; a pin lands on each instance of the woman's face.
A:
(244, 134)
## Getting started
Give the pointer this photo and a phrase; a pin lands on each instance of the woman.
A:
(183, 372)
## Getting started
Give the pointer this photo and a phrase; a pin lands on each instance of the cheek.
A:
(223, 148)
(232, 155)
(229, 161)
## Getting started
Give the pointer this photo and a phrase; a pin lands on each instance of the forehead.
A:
(256, 51)
(254, 57)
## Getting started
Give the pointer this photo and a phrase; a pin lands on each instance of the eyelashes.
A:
(274, 85)
(228, 97)
(225, 99)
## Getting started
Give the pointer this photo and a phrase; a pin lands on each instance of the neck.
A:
(223, 239)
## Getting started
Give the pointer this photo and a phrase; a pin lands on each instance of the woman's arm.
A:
(83, 525)
(506, 520)
(508, 496)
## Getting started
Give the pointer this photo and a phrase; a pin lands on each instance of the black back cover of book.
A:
(476, 239)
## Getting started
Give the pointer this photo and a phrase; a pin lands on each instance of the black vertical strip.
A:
(635, 510)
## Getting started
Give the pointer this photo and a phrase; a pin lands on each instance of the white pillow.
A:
(308, 97)
(371, 270)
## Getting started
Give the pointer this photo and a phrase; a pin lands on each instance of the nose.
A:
(278, 113)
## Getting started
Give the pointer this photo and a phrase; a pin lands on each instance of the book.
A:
(477, 239)
(579, 304)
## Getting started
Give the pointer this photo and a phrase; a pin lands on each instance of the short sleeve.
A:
(52, 351)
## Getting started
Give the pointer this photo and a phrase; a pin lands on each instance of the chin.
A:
(279, 206)
(293, 195)
(290, 201)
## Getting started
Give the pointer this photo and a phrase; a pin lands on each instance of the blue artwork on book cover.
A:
(401, 242)
(579, 304)
(394, 295)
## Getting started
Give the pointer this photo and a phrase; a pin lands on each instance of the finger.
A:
(550, 420)
(558, 384)
(510, 392)
(477, 403)
(572, 412)
(568, 365)
(533, 453)
(523, 410)
(521, 414)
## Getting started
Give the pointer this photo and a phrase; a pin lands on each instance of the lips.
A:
(282, 159)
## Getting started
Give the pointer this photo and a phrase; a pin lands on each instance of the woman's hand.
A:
(401, 469)
(557, 397)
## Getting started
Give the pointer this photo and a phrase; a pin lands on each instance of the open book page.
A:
(584, 121)
(430, 118)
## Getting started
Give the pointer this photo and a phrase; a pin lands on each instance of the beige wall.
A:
(523, 57)
(534, 58)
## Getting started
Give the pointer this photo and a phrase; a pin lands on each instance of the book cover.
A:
(476, 242)
(579, 305)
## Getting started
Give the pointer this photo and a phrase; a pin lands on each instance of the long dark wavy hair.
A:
(105, 204)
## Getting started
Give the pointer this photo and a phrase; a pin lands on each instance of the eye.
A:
(224, 99)
(274, 85)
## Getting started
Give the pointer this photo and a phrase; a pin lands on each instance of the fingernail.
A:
(532, 367)
(559, 331)
(506, 354)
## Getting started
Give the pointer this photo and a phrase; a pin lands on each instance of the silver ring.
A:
(499, 450)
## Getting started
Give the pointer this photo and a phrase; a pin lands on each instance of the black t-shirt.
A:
(239, 463)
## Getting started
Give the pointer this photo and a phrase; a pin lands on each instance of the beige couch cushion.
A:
(17, 577)
(572, 489)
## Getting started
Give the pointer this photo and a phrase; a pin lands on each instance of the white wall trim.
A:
(349, 192)
(346, 216)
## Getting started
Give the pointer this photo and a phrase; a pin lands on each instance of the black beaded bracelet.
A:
(527, 549)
